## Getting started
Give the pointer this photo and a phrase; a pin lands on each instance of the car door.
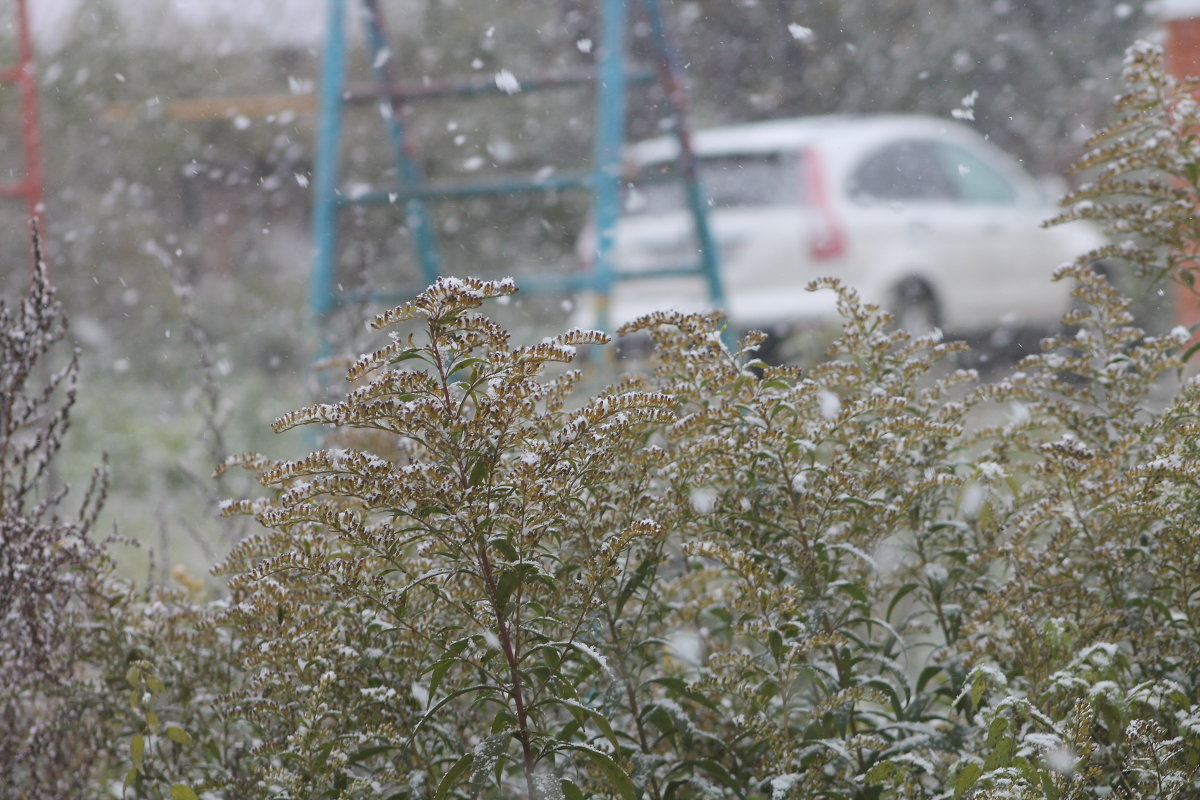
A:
(914, 222)
(1007, 271)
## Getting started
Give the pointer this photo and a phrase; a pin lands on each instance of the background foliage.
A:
(146, 208)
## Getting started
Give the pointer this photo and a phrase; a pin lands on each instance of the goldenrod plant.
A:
(875, 578)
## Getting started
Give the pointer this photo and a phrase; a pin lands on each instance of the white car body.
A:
(817, 197)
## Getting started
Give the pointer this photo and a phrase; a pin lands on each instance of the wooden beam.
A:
(209, 108)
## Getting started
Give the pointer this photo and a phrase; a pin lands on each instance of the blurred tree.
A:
(1044, 70)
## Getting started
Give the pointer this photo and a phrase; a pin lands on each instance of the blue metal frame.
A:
(607, 155)
(697, 201)
(612, 79)
(408, 174)
(322, 297)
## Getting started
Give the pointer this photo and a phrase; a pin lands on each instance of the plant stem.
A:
(514, 672)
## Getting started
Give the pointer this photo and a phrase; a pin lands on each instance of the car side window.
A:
(978, 181)
(908, 171)
(730, 181)
(757, 179)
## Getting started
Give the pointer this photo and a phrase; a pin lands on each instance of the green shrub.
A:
(725, 579)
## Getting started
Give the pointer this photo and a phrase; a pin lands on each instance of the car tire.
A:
(915, 307)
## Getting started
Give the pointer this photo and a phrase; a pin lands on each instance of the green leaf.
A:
(996, 730)
(570, 790)
(1048, 787)
(678, 687)
(503, 722)
(464, 363)
(181, 791)
(854, 590)
(453, 775)
(619, 781)
(322, 755)
(722, 776)
(775, 642)
(928, 674)
(966, 778)
(479, 472)
(900, 594)
(636, 580)
(1192, 172)
(580, 711)
(986, 514)
(437, 672)
(370, 752)
(407, 355)
(178, 735)
(657, 716)
(881, 772)
(134, 677)
(1000, 744)
(433, 709)
(487, 756)
(886, 689)
(137, 750)
(504, 547)
(1191, 351)
(508, 582)
(978, 687)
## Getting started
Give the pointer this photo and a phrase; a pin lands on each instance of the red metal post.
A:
(24, 75)
(30, 123)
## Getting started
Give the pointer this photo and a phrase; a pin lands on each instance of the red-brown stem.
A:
(514, 673)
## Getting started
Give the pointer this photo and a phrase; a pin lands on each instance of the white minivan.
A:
(919, 214)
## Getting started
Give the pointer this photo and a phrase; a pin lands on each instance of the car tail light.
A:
(585, 249)
(827, 240)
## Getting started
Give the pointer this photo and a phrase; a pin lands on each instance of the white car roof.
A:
(833, 132)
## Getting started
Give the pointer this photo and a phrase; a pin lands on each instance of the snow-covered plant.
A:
(810, 602)
(48, 555)
(874, 578)
(1144, 173)
(442, 595)
(80, 704)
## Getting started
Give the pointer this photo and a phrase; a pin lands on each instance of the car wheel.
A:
(915, 307)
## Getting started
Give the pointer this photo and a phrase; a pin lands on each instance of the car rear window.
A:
(730, 181)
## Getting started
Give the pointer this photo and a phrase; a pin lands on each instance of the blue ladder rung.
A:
(483, 85)
(686, 270)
